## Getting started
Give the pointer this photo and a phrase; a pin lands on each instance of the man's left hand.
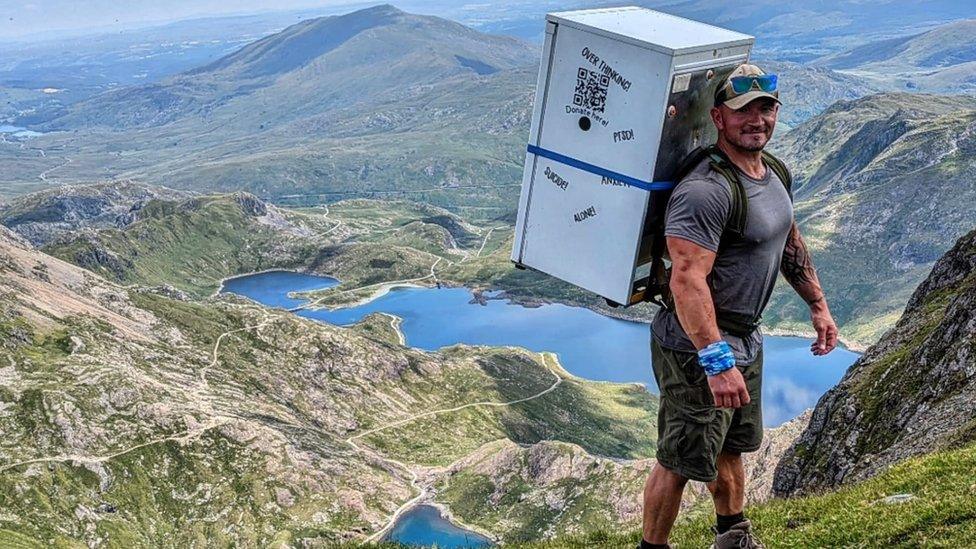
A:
(826, 329)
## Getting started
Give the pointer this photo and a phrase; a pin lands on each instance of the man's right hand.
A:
(729, 389)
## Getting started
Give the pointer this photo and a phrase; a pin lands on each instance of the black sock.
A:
(646, 545)
(726, 522)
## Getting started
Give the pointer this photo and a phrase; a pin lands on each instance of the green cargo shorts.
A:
(691, 430)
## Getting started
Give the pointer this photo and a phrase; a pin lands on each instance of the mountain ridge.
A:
(309, 67)
(883, 185)
(301, 42)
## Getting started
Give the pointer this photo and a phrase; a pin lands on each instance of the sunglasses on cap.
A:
(758, 82)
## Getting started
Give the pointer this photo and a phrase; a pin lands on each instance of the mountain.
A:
(310, 67)
(940, 60)
(883, 186)
(806, 90)
(912, 393)
(377, 103)
(82, 66)
(801, 31)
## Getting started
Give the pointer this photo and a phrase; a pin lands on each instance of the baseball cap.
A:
(746, 83)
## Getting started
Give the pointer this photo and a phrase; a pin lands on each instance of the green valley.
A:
(122, 405)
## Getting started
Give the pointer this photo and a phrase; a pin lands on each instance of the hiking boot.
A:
(740, 536)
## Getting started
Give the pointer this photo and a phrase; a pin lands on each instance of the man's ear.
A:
(716, 114)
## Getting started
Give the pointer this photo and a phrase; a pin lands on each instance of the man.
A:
(710, 377)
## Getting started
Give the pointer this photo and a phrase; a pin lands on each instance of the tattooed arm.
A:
(797, 268)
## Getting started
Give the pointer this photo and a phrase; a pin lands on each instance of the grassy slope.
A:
(220, 487)
(604, 418)
(942, 515)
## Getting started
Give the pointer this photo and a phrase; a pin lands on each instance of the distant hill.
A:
(308, 68)
(806, 90)
(940, 60)
(377, 103)
(884, 185)
(84, 64)
(190, 243)
(796, 30)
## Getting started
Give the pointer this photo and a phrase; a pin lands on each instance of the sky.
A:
(21, 18)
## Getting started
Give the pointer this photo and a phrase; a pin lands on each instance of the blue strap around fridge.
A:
(587, 167)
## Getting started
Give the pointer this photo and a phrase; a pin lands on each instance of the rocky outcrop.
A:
(912, 393)
(250, 204)
(45, 216)
(551, 489)
(761, 465)
(93, 255)
(543, 490)
(462, 233)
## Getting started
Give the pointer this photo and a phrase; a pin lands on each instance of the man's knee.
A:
(731, 474)
(663, 476)
(729, 461)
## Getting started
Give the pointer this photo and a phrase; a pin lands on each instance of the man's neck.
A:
(750, 162)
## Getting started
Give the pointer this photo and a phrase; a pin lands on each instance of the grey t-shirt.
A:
(744, 272)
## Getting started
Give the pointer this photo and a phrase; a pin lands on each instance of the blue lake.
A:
(17, 131)
(424, 525)
(588, 344)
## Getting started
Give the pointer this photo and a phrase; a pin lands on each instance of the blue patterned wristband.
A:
(716, 358)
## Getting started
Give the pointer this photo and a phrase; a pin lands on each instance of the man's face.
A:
(748, 128)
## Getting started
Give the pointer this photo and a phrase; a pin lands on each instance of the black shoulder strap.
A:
(740, 204)
(719, 162)
(690, 162)
(780, 170)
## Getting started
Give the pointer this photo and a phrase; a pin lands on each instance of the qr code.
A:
(591, 90)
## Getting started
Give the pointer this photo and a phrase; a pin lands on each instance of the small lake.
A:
(425, 526)
(17, 131)
(589, 345)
